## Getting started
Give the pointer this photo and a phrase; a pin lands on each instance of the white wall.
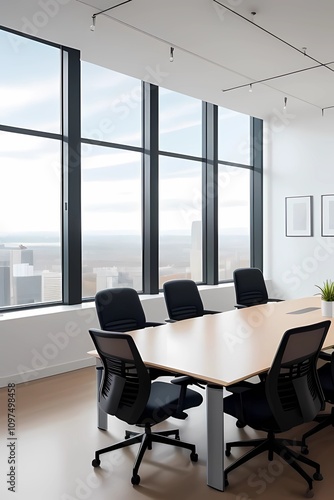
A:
(299, 162)
(52, 340)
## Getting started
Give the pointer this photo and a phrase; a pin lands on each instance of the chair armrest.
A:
(240, 306)
(326, 356)
(275, 300)
(238, 390)
(240, 387)
(171, 320)
(186, 380)
(153, 323)
(207, 311)
(183, 381)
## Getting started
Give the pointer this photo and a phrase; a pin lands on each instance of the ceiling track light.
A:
(285, 102)
(323, 109)
(92, 27)
(171, 54)
(250, 87)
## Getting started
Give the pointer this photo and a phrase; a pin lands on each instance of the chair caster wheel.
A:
(96, 462)
(317, 476)
(193, 457)
(135, 480)
(240, 424)
(228, 452)
(309, 493)
(226, 482)
(305, 450)
(177, 436)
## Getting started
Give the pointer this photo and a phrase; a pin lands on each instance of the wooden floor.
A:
(57, 436)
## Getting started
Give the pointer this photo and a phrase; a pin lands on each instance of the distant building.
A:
(18, 284)
(51, 286)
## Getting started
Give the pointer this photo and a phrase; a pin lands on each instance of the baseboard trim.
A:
(30, 375)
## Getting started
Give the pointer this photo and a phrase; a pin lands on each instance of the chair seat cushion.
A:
(163, 402)
(252, 408)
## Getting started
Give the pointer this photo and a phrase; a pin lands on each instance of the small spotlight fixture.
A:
(285, 102)
(92, 27)
(322, 112)
(171, 54)
(250, 87)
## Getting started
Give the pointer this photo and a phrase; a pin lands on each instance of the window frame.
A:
(71, 182)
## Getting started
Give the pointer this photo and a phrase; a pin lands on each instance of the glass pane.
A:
(233, 136)
(233, 219)
(111, 106)
(111, 219)
(180, 219)
(30, 86)
(30, 221)
(180, 123)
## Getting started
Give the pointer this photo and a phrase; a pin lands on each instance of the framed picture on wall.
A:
(327, 215)
(298, 216)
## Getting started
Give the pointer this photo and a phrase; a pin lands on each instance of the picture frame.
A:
(299, 216)
(327, 215)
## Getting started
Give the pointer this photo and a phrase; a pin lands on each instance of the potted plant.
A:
(327, 298)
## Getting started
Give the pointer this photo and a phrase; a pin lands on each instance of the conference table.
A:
(221, 350)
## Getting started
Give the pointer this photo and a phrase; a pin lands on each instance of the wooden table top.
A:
(227, 347)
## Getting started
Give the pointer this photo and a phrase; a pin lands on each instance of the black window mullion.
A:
(210, 194)
(150, 189)
(257, 193)
(72, 258)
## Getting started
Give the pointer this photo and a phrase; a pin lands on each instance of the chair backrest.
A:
(182, 299)
(250, 287)
(119, 310)
(292, 385)
(126, 385)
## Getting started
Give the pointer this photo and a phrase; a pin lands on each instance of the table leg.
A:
(215, 436)
(102, 416)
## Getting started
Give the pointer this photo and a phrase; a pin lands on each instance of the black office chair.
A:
(290, 396)
(326, 376)
(250, 287)
(183, 300)
(127, 392)
(120, 310)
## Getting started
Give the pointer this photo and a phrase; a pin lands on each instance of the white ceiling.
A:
(226, 47)
(216, 47)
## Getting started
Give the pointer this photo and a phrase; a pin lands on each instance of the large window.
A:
(234, 191)
(30, 84)
(107, 181)
(180, 219)
(180, 187)
(30, 169)
(111, 106)
(111, 181)
(180, 123)
(111, 220)
(233, 219)
(233, 136)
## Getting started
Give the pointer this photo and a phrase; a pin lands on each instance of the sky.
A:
(111, 111)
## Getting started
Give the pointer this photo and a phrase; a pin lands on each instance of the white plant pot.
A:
(327, 308)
